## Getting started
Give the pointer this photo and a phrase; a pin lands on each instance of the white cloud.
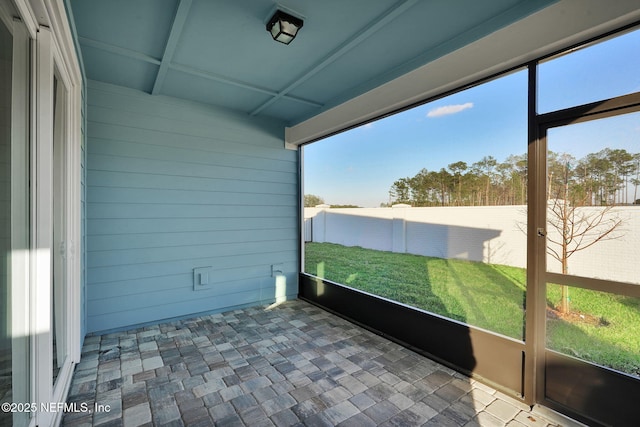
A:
(449, 109)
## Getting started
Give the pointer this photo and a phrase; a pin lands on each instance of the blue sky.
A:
(359, 166)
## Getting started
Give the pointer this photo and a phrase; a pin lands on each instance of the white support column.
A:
(320, 224)
(399, 228)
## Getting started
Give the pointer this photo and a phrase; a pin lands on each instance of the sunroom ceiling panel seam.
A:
(182, 12)
(364, 33)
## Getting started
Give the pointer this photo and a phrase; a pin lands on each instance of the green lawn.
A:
(614, 341)
(488, 296)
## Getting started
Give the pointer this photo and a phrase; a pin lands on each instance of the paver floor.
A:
(292, 364)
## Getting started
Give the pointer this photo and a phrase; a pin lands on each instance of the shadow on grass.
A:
(405, 279)
(492, 299)
(484, 295)
(461, 293)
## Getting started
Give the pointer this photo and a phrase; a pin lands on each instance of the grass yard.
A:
(603, 328)
(488, 296)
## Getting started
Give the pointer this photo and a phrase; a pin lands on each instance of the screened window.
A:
(577, 78)
(428, 207)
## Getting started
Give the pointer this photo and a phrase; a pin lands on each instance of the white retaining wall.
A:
(491, 234)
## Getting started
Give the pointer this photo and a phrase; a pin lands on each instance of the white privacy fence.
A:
(490, 234)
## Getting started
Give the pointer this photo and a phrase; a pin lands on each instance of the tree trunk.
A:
(565, 305)
(564, 301)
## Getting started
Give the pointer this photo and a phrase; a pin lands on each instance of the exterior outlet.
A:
(202, 278)
(277, 270)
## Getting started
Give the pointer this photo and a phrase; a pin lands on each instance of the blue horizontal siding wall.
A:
(174, 185)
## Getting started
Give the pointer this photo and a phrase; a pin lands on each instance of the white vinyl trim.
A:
(43, 226)
(28, 16)
(19, 277)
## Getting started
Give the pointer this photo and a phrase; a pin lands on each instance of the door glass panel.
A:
(601, 328)
(593, 215)
(6, 55)
(58, 289)
(14, 227)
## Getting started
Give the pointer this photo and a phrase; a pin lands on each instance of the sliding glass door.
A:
(39, 219)
(55, 264)
(58, 282)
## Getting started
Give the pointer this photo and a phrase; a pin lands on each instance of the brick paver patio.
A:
(293, 364)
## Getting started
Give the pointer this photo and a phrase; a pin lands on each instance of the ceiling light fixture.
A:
(284, 27)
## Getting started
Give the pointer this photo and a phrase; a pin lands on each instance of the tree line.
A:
(606, 178)
(311, 200)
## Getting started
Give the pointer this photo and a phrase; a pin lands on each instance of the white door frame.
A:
(50, 63)
(19, 257)
(52, 53)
